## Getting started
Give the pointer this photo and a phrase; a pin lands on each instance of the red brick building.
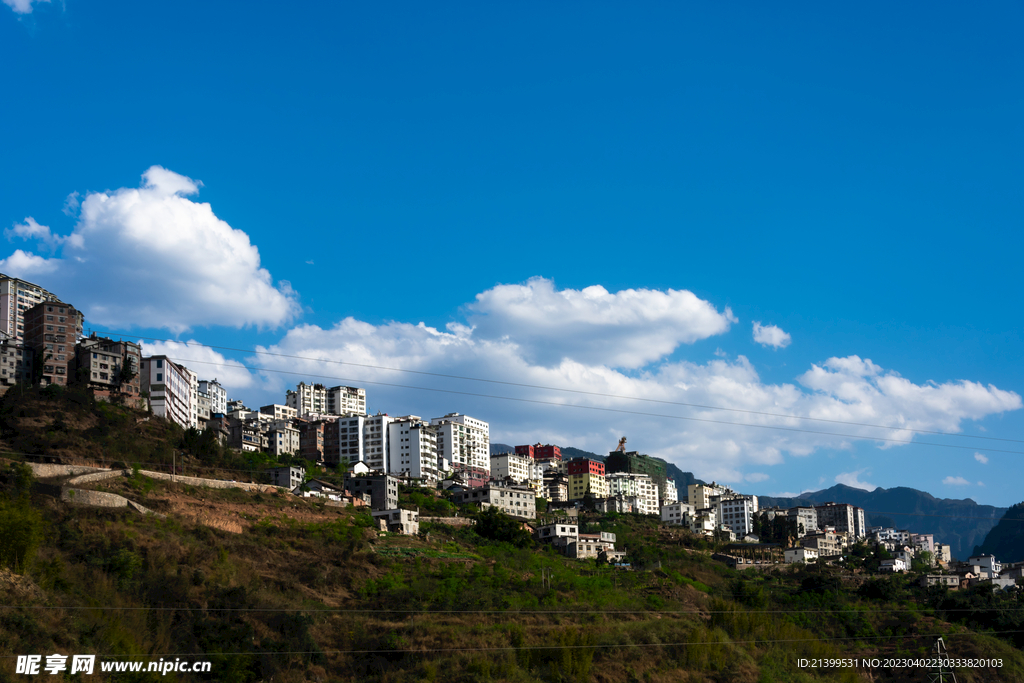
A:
(585, 466)
(51, 331)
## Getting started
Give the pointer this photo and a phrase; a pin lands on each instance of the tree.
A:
(495, 525)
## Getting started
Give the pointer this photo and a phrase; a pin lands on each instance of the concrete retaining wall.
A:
(96, 476)
(214, 483)
(96, 499)
(100, 499)
(46, 471)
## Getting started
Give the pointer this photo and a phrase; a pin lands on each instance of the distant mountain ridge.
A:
(960, 523)
(1006, 539)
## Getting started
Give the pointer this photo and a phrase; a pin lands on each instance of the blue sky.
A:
(850, 176)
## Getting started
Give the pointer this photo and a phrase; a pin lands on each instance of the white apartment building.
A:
(376, 439)
(677, 513)
(518, 502)
(519, 467)
(276, 411)
(466, 443)
(806, 519)
(307, 398)
(193, 398)
(346, 401)
(351, 438)
(170, 389)
(311, 400)
(737, 513)
(16, 297)
(412, 449)
(640, 486)
(671, 492)
(805, 555)
(218, 396)
(700, 495)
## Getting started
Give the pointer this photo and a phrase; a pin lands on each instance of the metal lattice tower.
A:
(941, 673)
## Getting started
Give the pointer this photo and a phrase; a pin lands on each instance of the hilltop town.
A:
(320, 430)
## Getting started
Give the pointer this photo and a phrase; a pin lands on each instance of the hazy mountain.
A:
(960, 523)
(1006, 539)
(501, 448)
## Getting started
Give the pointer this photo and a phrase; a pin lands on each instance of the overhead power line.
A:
(622, 411)
(551, 388)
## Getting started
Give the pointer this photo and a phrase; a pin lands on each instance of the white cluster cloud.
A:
(956, 481)
(22, 6)
(981, 458)
(154, 258)
(726, 446)
(207, 362)
(771, 335)
(627, 329)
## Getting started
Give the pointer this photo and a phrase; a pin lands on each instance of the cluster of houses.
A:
(41, 342)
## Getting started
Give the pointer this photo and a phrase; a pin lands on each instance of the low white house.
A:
(399, 521)
(806, 555)
(894, 565)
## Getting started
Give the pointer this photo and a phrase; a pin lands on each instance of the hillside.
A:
(1006, 539)
(960, 523)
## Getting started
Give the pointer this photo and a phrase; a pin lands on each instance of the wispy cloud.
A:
(853, 479)
(981, 458)
(956, 481)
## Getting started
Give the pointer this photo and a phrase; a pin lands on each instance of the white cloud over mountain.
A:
(593, 414)
(956, 481)
(625, 329)
(771, 335)
(852, 479)
(154, 258)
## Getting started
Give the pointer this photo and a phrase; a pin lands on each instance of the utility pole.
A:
(942, 673)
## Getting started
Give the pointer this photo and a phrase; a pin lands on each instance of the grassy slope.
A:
(344, 604)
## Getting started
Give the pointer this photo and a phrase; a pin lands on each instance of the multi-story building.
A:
(51, 330)
(842, 516)
(412, 449)
(382, 489)
(465, 442)
(671, 492)
(737, 512)
(246, 437)
(376, 441)
(307, 398)
(283, 441)
(311, 440)
(170, 389)
(218, 396)
(638, 463)
(586, 475)
(707, 495)
(17, 297)
(15, 363)
(276, 411)
(343, 440)
(542, 453)
(638, 486)
(519, 468)
(288, 477)
(110, 369)
(346, 401)
(517, 501)
(806, 519)
(827, 543)
(556, 487)
(677, 513)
